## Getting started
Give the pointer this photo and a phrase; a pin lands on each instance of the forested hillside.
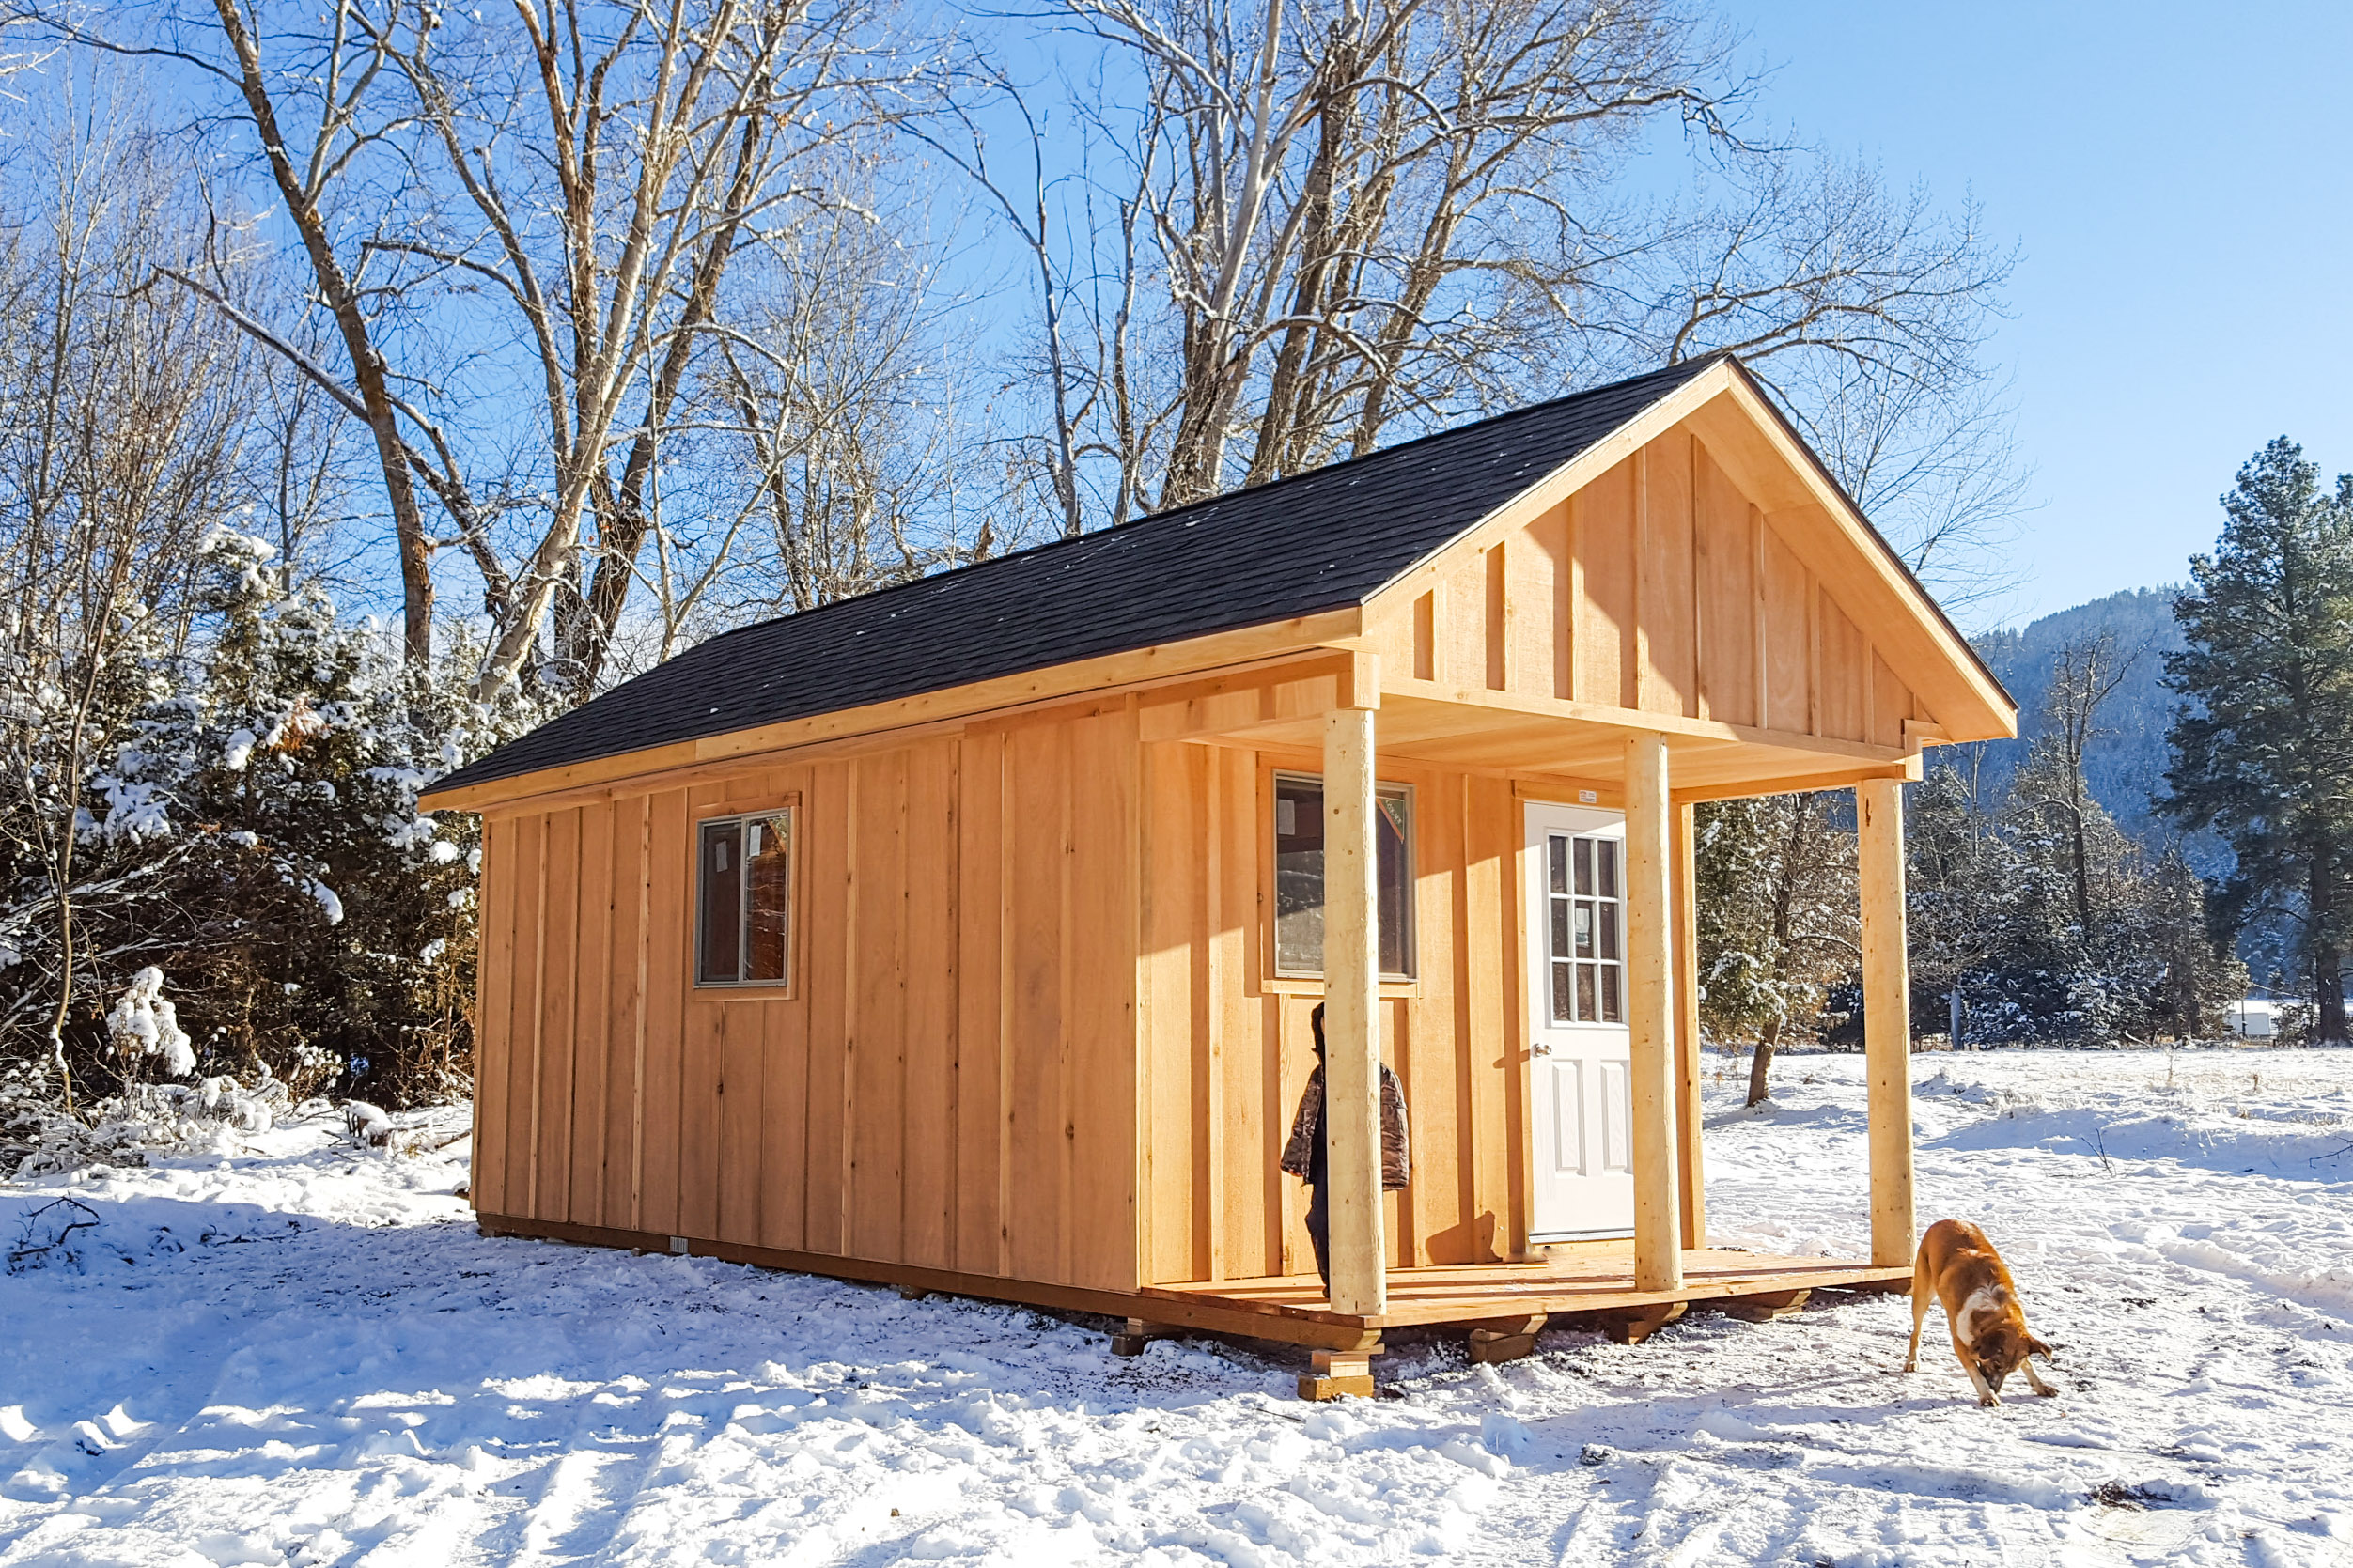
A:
(2125, 762)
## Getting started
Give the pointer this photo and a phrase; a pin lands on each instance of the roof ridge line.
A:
(1690, 367)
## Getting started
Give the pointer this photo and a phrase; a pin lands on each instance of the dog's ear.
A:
(2037, 1347)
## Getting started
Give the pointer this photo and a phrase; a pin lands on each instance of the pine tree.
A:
(1776, 917)
(2262, 749)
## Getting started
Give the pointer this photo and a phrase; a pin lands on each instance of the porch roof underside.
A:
(1703, 759)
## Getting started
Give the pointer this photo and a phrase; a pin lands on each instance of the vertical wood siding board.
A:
(559, 1080)
(1663, 572)
(877, 940)
(926, 1140)
(1008, 1055)
(1605, 531)
(493, 1030)
(1634, 648)
(1687, 1097)
(1725, 595)
(1890, 702)
(1761, 627)
(742, 1041)
(1213, 971)
(1509, 1066)
(1283, 1036)
(781, 1132)
(1067, 943)
(1174, 1011)
(592, 1006)
(669, 933)
(623, 1008)
(1498, 648)
(1470, 1137)
(1034, 1109)
(857, 887)
(1789, 649)
(784, 1120)
(825, 838)
(1490, 848)
(1103, 1037)
(1814, 655)
(1844, 673)
(523, 1159)
(1701, 534)
(1245, 1030)
(702, 1076)
(1430, 1052)
(979, 934)
(1562, 602)
(1425, 636)
(1572, 613)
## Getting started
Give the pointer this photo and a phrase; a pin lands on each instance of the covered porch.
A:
(1348, 708)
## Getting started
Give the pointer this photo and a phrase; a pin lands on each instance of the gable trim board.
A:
(1714, 399)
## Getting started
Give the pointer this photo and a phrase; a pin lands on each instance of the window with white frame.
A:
(1299, 875)
(743, 899)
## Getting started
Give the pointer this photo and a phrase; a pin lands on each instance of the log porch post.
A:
(1886, 1014)
(1359, 1283)
(1651, 1005)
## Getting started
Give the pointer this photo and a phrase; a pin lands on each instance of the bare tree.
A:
(128, 432)
(2084, 673)
(1363, 214)
(1868, 313)
(539, 200)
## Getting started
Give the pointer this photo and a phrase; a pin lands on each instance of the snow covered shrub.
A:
(145, 1021)
(148, 1121)
(250, 829)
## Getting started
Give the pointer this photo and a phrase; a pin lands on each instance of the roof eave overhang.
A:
(1102, 675)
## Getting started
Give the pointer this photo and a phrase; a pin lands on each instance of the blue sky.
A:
(2180, 179)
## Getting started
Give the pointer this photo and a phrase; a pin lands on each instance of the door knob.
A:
(1539, 1049)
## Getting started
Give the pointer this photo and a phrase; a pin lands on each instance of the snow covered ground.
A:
(303, 1355)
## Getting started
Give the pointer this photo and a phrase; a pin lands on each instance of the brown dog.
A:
(1959, 1266)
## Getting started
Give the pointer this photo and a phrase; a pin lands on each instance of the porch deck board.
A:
(1579, 1280)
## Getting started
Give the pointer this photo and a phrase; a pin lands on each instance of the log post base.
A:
(1132, 1339)
(1633, 1324)
(1766, 1306)
(1505, 1340)
(1339, 1372)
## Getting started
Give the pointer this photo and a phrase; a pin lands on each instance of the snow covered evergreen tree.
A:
(252, 834)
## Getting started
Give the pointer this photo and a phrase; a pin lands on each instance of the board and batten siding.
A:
(1226, 1047)
(949, 1080)
(1659, 586)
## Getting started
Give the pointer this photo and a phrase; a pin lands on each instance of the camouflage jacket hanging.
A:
(1396, 1160)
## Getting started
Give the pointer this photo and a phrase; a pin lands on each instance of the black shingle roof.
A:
(1318, 541)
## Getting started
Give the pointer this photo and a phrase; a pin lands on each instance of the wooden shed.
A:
(963, 936)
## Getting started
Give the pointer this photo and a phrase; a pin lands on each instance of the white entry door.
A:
(1579, 1073)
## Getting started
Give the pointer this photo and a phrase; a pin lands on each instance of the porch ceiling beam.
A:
(1484, 707)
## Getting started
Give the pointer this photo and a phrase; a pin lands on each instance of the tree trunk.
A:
(1761, 1061)
(2327, 958)
(2329, 993)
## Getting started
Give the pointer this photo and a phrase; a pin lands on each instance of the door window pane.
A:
(1585, 924)
(1299, 875)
